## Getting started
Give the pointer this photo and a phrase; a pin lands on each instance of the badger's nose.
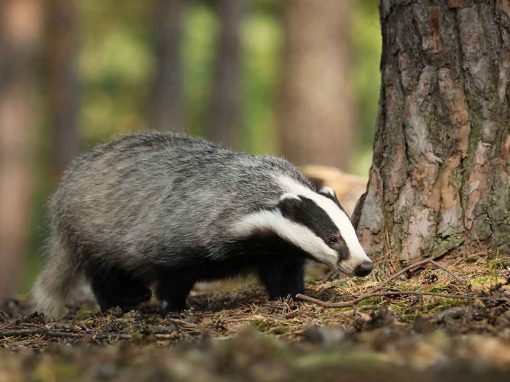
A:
(364, 268)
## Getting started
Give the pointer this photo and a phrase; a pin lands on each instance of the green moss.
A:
(137, 337)
(440, 288)
(279, 330)
(445, 303)
(261, 325)
(370, 301)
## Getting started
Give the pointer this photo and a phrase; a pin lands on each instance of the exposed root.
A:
(375, 291)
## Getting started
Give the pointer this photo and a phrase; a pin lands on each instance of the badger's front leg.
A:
(282, 279)
(173, 289)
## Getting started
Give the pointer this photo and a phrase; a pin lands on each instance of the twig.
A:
(346, 304)
(42, 331)
(399, 273)
(374, 292)
(447, 271)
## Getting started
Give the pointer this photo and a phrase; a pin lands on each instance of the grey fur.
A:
(128, 198)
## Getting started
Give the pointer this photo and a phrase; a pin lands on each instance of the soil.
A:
(232, 332)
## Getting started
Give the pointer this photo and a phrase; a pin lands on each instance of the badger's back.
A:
(152, 195)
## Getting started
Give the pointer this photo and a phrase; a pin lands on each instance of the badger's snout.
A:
(364, 269)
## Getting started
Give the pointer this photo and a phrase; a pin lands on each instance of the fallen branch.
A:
(375, 291)
(346, 304)
(448, 271)
(39, 331)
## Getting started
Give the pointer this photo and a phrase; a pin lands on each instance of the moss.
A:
(137, 337)
(261, 325)
(486, 283)
(370, 301)
(440, 288)
(444, 304)
(279, 330)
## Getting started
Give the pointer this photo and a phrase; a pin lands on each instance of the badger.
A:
(169, 210)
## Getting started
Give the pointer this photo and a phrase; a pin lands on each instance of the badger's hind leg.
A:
(282, 279)
(114, 287)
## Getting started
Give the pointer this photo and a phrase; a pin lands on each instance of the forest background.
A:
(76, 73)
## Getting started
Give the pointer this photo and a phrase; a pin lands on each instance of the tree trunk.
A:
(317, 108)
(440, 175)
(166, 105)
(19, 32)
(62, 81)
(226, 93)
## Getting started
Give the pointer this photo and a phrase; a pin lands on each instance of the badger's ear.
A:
(327, 191)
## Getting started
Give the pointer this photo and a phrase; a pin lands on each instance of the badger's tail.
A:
(56, 282)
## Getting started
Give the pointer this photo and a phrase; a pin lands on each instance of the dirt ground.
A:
(231, 332)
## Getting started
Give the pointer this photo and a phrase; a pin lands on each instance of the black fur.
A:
(278, 264)
(309, 214)
(113, 287)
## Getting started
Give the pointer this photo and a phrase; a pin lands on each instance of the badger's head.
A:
(316, 223)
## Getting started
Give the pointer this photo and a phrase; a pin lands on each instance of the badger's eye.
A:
(333, 239)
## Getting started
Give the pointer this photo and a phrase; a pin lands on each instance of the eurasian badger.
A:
(175, 210)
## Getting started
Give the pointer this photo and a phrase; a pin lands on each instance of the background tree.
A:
(440, 176)
(224, 120)
(317, 111)
(62, 81)
(166, 104)
(19, 33)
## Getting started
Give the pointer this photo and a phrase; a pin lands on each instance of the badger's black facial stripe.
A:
(309, 214)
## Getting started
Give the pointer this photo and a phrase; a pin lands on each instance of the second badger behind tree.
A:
(175, 210)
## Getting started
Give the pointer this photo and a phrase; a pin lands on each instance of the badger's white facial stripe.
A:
(339, 218)
(288, 195)
(297, 234)
(327, 190)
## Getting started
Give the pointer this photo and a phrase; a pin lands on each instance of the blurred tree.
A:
(166, 104)
(223, 124)
(440, 176)
(62, 81)
(317, 108)
(20, 22)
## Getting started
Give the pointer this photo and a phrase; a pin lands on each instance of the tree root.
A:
(375, 292)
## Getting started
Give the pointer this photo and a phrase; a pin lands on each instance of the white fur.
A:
(288, 195)
(328, 190)
(297, 234)
(45, 302)
(339, 218)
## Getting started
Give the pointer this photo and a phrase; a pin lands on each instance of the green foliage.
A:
(262, 44)
(199, 39)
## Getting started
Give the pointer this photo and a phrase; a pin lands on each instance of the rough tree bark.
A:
(19, 33)
(440, 177)
(316, 110)
(62, 81)
(166, 103)
(224, 121)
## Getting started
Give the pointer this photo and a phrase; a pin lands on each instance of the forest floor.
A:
(233, 333)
